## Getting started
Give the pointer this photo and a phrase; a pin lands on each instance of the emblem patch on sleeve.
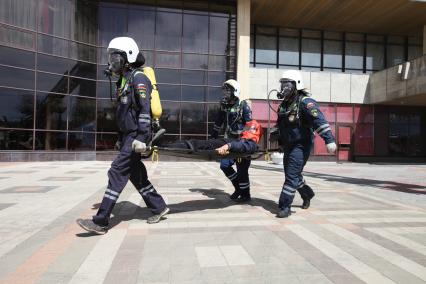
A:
(310, 105)
(141, 90)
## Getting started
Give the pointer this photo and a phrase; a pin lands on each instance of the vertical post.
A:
(424, 40)
(243, 46)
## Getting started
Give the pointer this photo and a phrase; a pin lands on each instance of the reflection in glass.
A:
(167, 60)
(169, 92)
(170, 119)
(55, 17)
(217, 62)
(195, 33)
(192, 93)
(332, 54)
(46, 140)
(52, 45)
(354, 55)
(106, 116)
(18, 78)
(21, 13)
(103, 89)
(16, 108)
(214, 109)
(112, 22)
(217, 78)
(266, 49)
(215, 94)
(168, 31)
(395, 55)
(16, 140)
(84, 24)
(83, 52)
(195, 61)
(54, 64)
(375, 56)
(218, 41)
(81, 115)
(51, 111)
(83, 69)
(194, 118)
(171, 76)
(52, 83)
(82, 87)
(311, 52)
(141, 25)
(105, 141)
(15, 38)
(194, 77)
(289, 51)
(16, 57)
(81, 141)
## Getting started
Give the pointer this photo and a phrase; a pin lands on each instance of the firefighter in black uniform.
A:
(134, 123)
(234, 114)
(299, 117)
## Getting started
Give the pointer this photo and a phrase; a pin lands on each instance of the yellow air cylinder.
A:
(156, 109)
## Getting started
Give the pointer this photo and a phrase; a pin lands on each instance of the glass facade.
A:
(316, 50)
(53, 95)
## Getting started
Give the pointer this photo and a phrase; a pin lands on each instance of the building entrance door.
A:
(344, 144)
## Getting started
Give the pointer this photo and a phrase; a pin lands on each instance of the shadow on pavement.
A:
(381, 184)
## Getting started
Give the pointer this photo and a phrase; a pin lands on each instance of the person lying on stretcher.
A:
(247, 144)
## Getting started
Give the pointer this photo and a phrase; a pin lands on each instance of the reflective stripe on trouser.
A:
(294, 160)
(127, 165)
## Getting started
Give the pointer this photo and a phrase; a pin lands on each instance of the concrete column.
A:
(424, 40)
(243, 47)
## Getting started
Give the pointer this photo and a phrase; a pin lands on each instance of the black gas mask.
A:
(287, 90)
(116, 62)
(228, 98)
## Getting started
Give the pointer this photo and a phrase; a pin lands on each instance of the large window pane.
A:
(215, 94)
(194, 77)
(266, 49)
(218, 40)
(18, 78)
(82, 114)
(105, 141)
(217, 78)
(170, 119)
(375, 56)
(84, 26)
(54, 64)
(52, 83)
(169, 92)
(55, 17)
(168, 31)
(21, 13)
(332, 54)
(82, 87)
(170, 76)
(81, 141)
(194, 118)
(51, 111)
(112, 22)
(414, 51)
(217, 62)
(52, 45)
(16, 108)
(103, 89)
(195, 61)
(106, 116)
(311, 52)
(195, 33)
(16, 140)
(81, 51)
(142, 25)
(49, 140)
(83, 69)
(192, 93)
(16, 57)
(167, 60)
(15, 38)
(395, 55)
(354, 55)
(289, 51)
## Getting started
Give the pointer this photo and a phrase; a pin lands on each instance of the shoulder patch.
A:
(310, 105)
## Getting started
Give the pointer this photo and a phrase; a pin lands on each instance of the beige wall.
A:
(324, 86)
(424, 40)
(243, 46)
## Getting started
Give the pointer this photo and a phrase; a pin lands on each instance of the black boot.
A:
(308, 194)
(235, 195)
(244, 198)
(284, 213)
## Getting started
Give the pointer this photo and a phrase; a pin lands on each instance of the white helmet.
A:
(235, 86)
(124, 44)
(293, 75)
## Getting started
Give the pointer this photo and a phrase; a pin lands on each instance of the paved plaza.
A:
(367, 223)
